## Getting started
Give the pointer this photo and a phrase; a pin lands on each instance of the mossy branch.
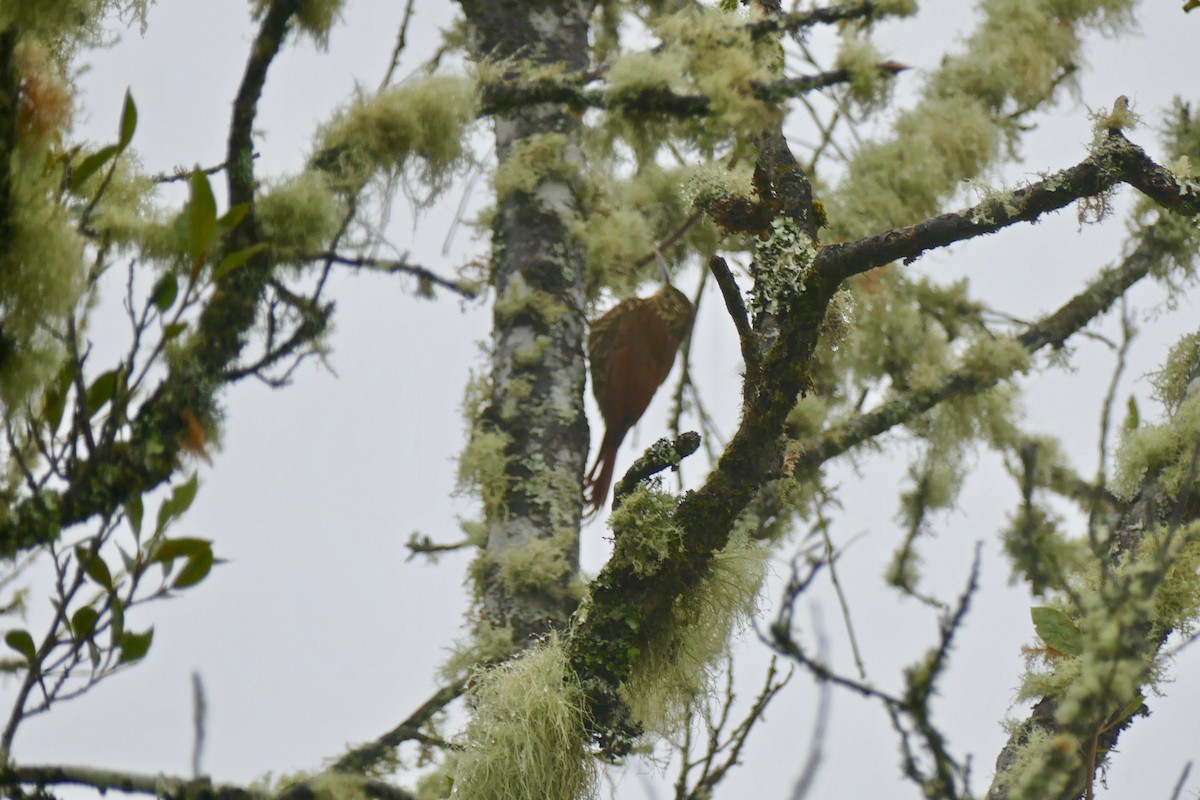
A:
(1115, 161)
(361, 759)
(113, 474)
(501, 98)
(663, 454)
(604, 646)
(1052, 330)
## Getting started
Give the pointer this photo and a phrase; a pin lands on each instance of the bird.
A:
(631, 349)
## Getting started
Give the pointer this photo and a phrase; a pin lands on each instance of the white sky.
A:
(318, 633)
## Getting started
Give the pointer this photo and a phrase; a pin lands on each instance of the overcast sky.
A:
(318, 633)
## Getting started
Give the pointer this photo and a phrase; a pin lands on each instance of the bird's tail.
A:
(599, 477)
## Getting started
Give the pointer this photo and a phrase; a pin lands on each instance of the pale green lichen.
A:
(645, 524)
(711, 182)
(1166, 451)
(1179, 377)
(487, 644)
(527, 738)
(1042, 766)
(543, 565)
(677, 666)
(991, 359)
(516, 391)
(426, 119)
(314, 17)
(41, 277)
(706, 53)
(535, 353)
(1017, 58)
(531, 162)
(298, 216)
(483, 469)
(626, 217)
(519, 301)
(868, 86)
(784, 260)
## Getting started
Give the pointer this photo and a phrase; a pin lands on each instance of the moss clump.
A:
(531, 162)
(527, 737)
(314, 17)
(647, 532)
(298, 216)
(487, 644)
(540, 565)
(483, 469)
(521, 302)
(1163, 450)
(868, 87)
(41, 257)
(677, 665)
(425, 119)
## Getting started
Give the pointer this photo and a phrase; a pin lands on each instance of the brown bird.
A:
(631, 349)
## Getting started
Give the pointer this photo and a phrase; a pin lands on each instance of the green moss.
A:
(648, 533)
(527, 738)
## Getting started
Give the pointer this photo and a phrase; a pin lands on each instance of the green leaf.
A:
(94, 567)
(22, 642)
(171, 549)
(173, 330)
(195, 569)
(237, 259)
(1057, 630)
(91, 165)
(1132, 418)
(56, 396)
(1190, 4)
(129, 562)
(1132, 707)
(134, 511)
(83, 622)
(128, 121)
(233, 217)
(134, 645)
(201, 218)
(165, 290)
(102, 391)
(179, 502)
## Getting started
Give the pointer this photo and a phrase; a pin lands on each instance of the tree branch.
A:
(1115, 161)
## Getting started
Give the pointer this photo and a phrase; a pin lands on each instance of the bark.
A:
(536, 403)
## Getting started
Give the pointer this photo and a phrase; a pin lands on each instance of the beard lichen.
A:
(527, 737)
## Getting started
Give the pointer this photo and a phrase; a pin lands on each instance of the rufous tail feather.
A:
(599, 477)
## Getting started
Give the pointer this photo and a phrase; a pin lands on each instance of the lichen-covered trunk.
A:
(537, 374)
